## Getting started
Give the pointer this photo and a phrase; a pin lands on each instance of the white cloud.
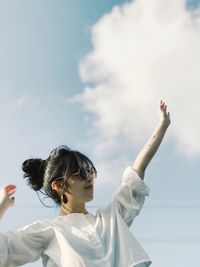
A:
(144, 51)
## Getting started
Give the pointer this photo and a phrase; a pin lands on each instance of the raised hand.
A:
(164, 114)
(153, 143)
(6, 199)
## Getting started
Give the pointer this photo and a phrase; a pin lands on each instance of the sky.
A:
(90, 75)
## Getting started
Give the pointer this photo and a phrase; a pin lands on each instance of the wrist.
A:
(4, 202)
(164, 123)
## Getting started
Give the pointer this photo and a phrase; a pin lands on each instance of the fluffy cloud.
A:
(144, 51)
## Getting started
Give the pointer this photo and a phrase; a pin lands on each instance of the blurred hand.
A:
(6, 199)
(164, 114)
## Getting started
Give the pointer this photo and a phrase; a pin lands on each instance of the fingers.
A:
(163, 105)
(6, 198)
(10, 189)
(163, 108)
(164, 114)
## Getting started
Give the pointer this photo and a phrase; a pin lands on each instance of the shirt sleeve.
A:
(130, 197)
(24, 245)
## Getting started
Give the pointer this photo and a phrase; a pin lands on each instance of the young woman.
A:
(77, 238)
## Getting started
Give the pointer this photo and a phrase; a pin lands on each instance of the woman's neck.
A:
(69, 208)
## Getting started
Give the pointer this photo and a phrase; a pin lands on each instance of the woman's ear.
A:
(57, 186)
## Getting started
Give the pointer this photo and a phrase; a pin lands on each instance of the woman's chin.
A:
(89, 199)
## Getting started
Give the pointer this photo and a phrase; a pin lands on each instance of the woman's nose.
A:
(90, 180)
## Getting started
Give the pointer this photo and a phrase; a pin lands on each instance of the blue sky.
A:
(90, 75)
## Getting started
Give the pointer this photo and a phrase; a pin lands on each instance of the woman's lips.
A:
(89, 187)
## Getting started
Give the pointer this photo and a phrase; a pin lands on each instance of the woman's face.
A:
(79, 190)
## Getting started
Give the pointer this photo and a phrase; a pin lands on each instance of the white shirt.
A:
(84, 240)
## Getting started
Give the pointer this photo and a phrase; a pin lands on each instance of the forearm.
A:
(3, 203)
(6, 200)
(149, 149)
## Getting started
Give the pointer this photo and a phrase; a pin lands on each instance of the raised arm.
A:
(6, 199)
(150, 148)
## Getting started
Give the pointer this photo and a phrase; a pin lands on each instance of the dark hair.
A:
(62, 162)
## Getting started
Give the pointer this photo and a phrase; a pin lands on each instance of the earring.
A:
(65, 200)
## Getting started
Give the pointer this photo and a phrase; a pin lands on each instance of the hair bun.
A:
(34, 172)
